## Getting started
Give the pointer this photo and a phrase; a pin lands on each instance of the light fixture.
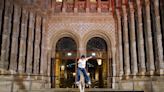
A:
(93, 54)
(99, 61)
(62, 67)
(74, 74)
(59, 0)
(94, 1)
(69, 54)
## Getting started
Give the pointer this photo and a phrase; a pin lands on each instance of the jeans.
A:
(83, 70)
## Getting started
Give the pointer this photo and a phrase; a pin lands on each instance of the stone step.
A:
(86, 90)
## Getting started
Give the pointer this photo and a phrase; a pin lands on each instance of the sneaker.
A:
(77, 83)
(89, 83)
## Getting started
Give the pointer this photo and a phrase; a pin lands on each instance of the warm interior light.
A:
(94, 1)
(74, 74)
(93, 54)
(69, 54)
(62, 67)
(59, 0)
(99, 61)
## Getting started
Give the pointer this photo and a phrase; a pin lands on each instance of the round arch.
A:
(101, 34)
(110, 52)
(60, 34)
(53, 42)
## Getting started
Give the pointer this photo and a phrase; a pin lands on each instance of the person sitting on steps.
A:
(81, 68)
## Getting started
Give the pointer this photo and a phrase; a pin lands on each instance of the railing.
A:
(26, 83)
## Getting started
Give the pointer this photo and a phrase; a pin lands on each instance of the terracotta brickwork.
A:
(132, 29)
(81, 24)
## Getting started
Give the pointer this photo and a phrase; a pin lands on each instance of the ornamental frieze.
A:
(82, 25)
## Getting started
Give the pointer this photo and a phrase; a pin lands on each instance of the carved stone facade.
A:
(132, 29)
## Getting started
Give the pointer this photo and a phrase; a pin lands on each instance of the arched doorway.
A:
(63, 65)
(97, 67)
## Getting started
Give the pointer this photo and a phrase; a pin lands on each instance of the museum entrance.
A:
(97, 67)
(64, 65)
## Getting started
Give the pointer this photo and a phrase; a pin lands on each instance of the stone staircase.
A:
(77, 90)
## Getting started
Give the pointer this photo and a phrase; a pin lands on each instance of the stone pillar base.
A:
(28, 76)
(151, 72)
(142, 73)
(160, 71)
(63, 10)
(2, 71)
(87, 10)
(110, 9)
(12, 72)
(120, 75)
(75, 10)
(99, 10)
(21, 75)
(126, 77)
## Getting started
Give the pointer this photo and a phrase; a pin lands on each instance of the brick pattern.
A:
(82, 25)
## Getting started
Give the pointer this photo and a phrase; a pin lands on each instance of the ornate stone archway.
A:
(81, 29)
(110, 50)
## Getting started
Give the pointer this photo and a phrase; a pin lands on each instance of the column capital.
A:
(118, 13)
(147, 2)
(64, 6)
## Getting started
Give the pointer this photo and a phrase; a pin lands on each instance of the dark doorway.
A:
(97, 67)
(64, 63)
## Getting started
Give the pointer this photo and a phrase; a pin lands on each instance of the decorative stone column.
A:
(140, 39)
(75, 6)
(110, 5)
(113, 67)
(149, 48)
(15, 34)
(99, 6)
(53, 5)
(133, 41)
(30, 43)
(45, 56)
(121, 71)
(159, 38)
(126, 42)
(87, 5)
(1, 24)
(82, 49)
(6, 36)
(22, 45)
(64, 6)
(37, 44)
(1, 18)
(44, 49)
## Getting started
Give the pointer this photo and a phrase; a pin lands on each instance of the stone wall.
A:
(22, 84)
(146, 84)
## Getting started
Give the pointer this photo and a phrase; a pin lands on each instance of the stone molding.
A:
(81, 25)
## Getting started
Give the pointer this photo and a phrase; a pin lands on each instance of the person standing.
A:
(81, 68)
